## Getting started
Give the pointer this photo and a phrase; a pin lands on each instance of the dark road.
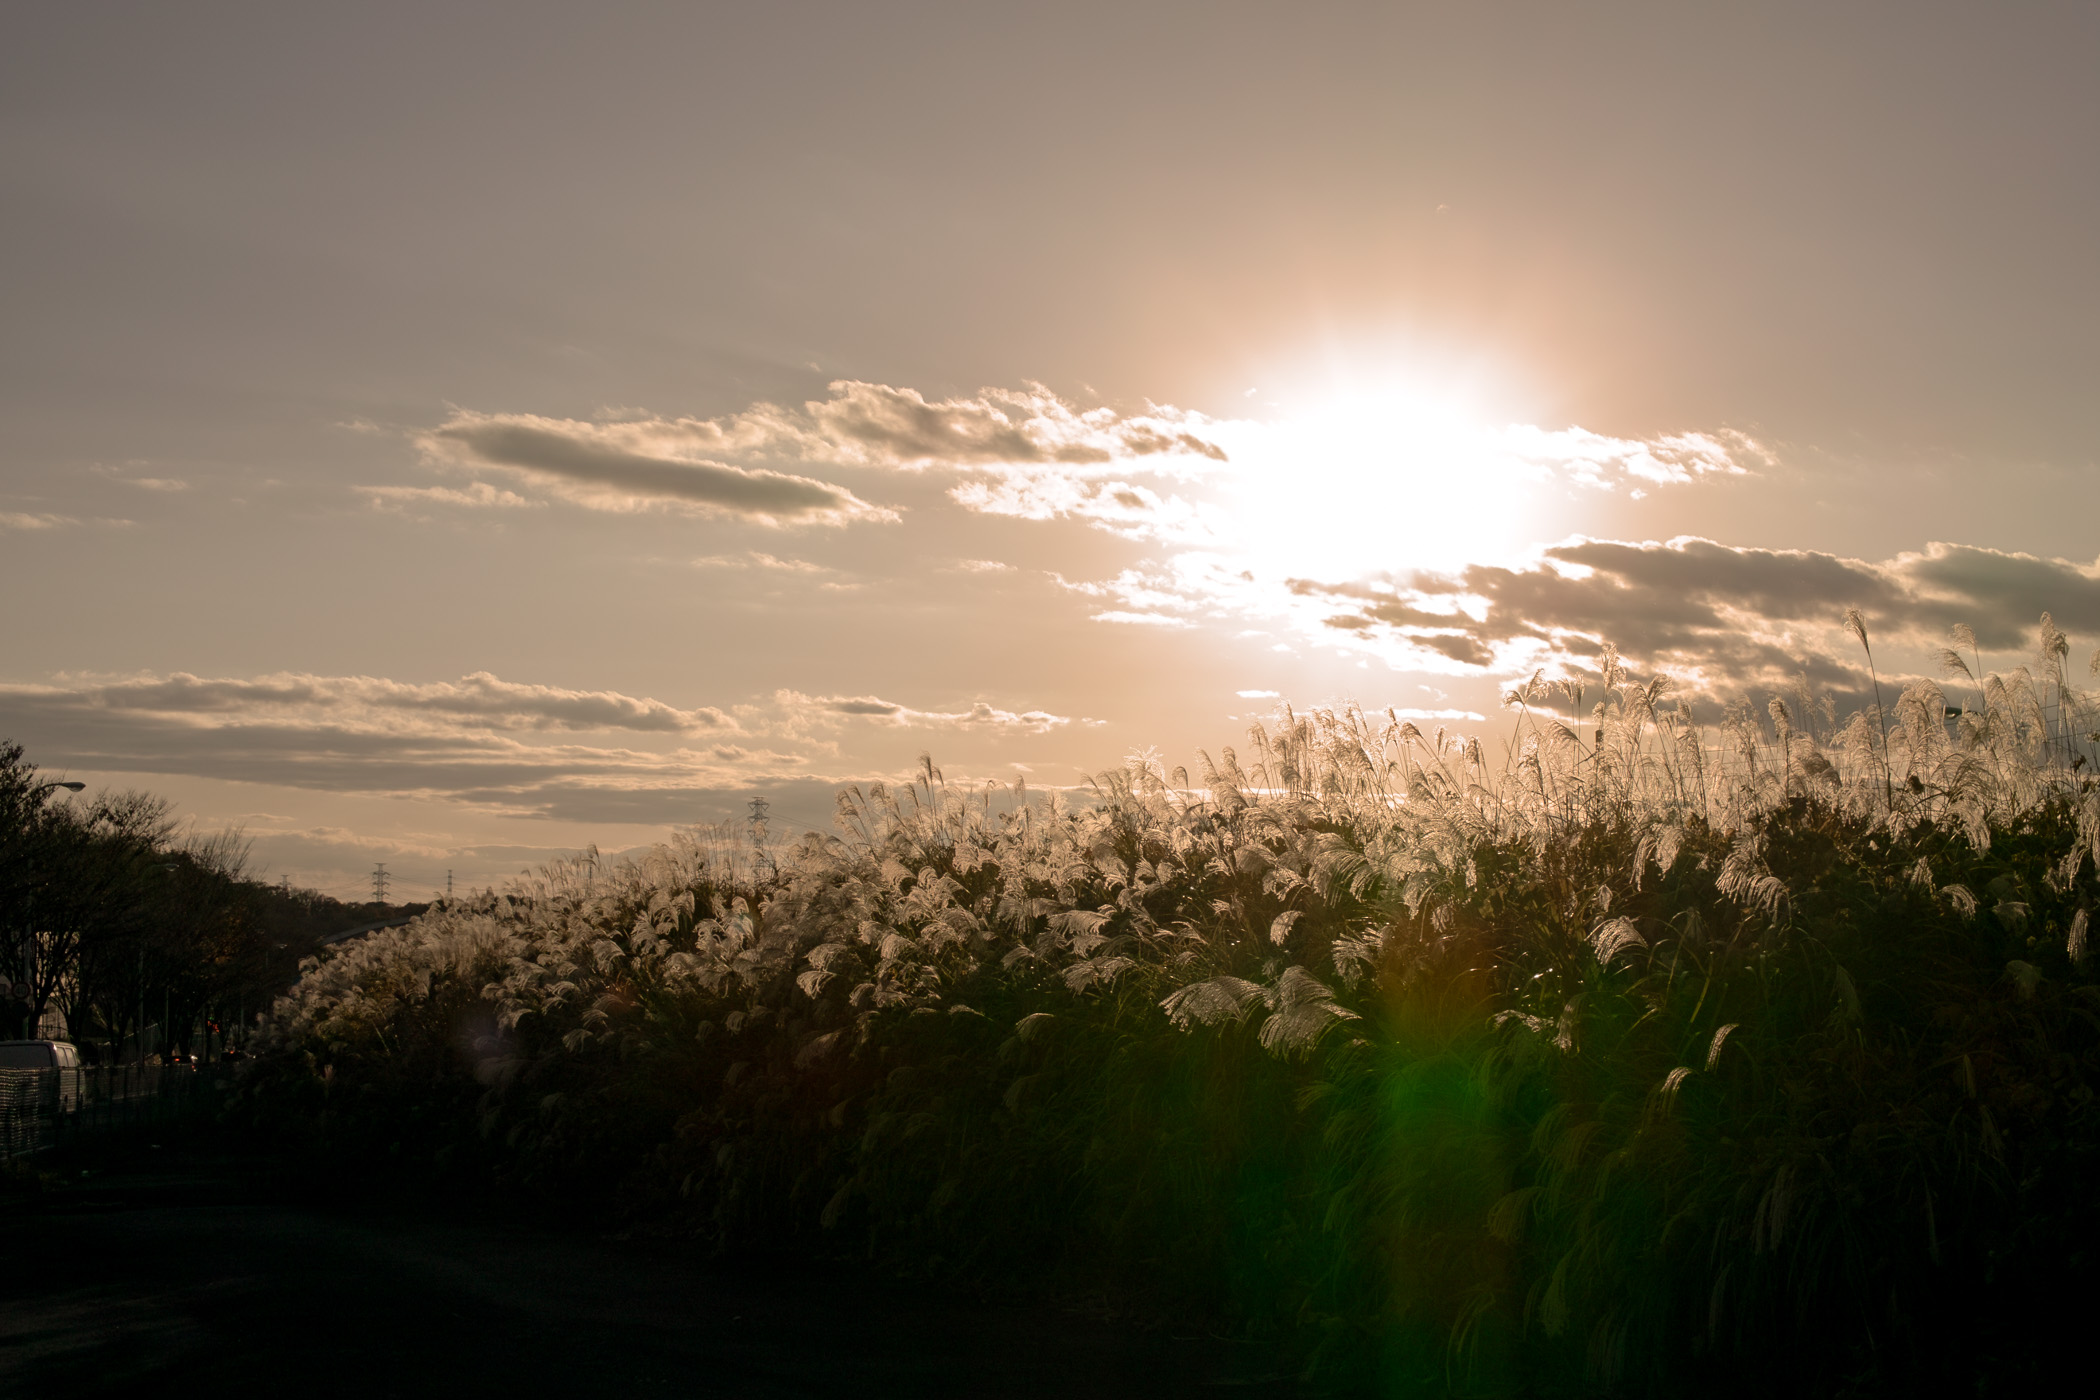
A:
(178, 1273)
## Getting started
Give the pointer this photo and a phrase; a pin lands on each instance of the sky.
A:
(451, 434)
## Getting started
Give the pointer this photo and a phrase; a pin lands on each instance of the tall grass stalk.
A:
(1660, 1059)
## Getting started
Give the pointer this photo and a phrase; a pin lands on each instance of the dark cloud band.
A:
(582, 455)
(1735, 617)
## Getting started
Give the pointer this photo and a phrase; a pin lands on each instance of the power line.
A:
(379, 879)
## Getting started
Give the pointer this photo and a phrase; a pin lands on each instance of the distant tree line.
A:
(147, 940)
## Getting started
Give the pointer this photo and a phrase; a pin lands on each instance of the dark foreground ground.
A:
(194, 1269)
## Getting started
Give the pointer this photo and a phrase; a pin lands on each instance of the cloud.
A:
(498, 740)
(805, 803)
(484, 699)
(979, 715)
(1260, 495)
(25, 520)
(1281, 481)
(752, 559)
(877, 425)
(121, 473)
(1596, 460)
(499, 773)
(1256, 694)
(645, 461)
(1720, 618)
(300, 752)
(477, 495)
(625, 467)
(1329, 495)
(706, 464)
(1142, 619)
(330, 843)
(483, 743)
(1132, 510)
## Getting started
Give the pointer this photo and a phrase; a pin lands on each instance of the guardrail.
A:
(46, 1108)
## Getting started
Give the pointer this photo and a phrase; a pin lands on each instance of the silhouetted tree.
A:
(108, 914)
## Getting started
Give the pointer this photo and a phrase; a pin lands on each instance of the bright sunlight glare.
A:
(1383, 481)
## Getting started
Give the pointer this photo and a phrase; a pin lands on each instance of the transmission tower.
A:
(448, 884)
(760, 810)
(379, 879)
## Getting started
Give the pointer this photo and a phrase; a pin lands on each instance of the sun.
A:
(1386, 479)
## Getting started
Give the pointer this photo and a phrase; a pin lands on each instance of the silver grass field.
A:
(1634, 1056)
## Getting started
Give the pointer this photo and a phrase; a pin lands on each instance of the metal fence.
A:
(46, 1108)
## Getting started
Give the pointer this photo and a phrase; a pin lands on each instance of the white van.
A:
(58, 1062)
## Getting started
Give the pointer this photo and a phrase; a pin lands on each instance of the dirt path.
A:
(178, 1273)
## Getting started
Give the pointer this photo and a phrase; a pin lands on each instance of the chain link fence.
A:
(42, 1109)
